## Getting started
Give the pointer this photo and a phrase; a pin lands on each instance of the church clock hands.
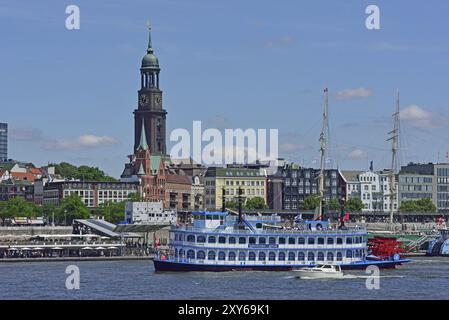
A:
(144, 99)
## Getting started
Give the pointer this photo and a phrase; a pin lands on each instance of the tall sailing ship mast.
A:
(394, 157)
(323, 146)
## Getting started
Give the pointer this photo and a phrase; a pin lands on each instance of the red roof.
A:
(23, 176)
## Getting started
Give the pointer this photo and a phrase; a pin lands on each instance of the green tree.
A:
(72, 207)
(421, 205)
(113, 212)
(18, 207)
(311, 202)
(232, 205)
(333, 204)
(354, 205)
(256, 203)
(86, 173)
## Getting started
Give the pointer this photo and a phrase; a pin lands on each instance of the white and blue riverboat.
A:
(219, 241)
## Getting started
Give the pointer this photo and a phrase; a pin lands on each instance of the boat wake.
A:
(348, 277)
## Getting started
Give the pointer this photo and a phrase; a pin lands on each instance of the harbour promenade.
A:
(66, 259)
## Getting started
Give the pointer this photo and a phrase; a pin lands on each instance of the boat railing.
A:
(276, 231)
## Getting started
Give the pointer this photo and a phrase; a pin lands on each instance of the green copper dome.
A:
(150, 60)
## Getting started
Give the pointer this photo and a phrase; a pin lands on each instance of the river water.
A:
(424, 278)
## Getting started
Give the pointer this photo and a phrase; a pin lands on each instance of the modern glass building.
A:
(3, 141)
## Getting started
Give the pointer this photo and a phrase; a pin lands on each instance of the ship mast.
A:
(323, 138)
(394, 157)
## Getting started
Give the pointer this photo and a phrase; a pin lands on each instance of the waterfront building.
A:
(146, 212)
(3, 141)
(251, 181)
(417, 181)
(92, 193)
(299, 183)
(178, 192)
(441, 186)
(352, 181)
(375, 192)
(12, 188)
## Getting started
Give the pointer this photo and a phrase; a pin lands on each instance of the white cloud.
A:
(349, 94)
(83, 142)
(418, 117)
(357, 154)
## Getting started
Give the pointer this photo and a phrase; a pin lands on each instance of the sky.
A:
(68, 95)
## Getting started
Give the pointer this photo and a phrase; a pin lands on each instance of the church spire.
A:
(143, 138)
(150, 46)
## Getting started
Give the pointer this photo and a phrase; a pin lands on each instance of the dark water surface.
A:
(424, 278)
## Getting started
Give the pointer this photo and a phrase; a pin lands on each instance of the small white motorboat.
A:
(319, 272)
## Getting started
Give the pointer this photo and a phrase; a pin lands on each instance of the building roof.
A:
(150, 60)
(155, 164)
(143, 138)
(234, 172)
(351, 175)
(27, 176)
(179, 179)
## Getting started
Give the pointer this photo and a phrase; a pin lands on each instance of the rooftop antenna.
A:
(394, 157)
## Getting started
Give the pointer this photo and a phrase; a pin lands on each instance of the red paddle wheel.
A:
(385, 248)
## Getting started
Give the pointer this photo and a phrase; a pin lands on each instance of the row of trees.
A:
(86, 173)
(72, 207)
(421, 205)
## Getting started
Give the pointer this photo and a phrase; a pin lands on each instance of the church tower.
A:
(150, 110)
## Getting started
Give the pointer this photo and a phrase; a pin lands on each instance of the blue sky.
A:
(69, 95)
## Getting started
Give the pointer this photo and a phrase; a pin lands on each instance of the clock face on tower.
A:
(144, 100)
(158, 101)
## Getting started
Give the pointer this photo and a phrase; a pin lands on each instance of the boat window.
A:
(281, 256)
(190, 254)
(258, 225)
(262, 240)
(291, 256)
(211, 255)
(190, 238)
(221, 255)
(221, 239)
(231, 256)
(200, 255)
(339, 240)
(252, 240)
(212, 239)
(176, 253)
(281, 240)
(326, 267)
(320, 240)
(201, 239)
(330, 256)
(320, 256)
(301, 256)
(311, 240)
(181, 253)
(349, 254)
(301, 241)
(272, 256)
(310, 256)
(242, 256)
(330, 240)
(262, 256)
(242, 240)
(291, 240)
(348, 240)
(272, 240)
(339, 256)
(232, 240)
(252, 256)
(216, 217)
